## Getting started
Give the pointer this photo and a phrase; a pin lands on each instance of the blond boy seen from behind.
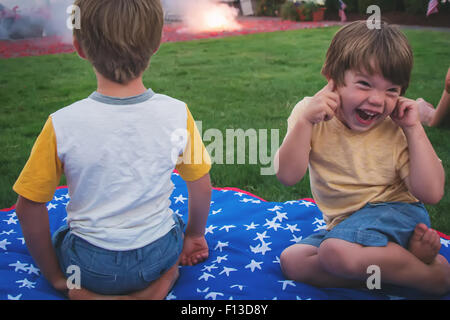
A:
(118, 149)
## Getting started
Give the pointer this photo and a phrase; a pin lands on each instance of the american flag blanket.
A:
(245, 234)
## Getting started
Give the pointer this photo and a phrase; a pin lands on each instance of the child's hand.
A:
(406, 113)
(323, 105)
(195, 250)
(426, 111)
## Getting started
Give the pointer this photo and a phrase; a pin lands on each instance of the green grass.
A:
(242, 82)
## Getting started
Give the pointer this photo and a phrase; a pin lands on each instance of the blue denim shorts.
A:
(376, 224)
(118, 272)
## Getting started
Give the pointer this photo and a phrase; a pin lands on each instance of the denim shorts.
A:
(118, 272)
(376, 224)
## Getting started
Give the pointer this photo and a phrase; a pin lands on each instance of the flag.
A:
(342, 7)
(432, 7)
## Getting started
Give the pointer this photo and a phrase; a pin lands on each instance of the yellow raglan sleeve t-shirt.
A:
(348, 169)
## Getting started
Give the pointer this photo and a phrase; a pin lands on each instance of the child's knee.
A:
(286, 262)
(337, 259)
(294, 263)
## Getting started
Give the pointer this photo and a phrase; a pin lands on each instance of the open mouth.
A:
(365, 116)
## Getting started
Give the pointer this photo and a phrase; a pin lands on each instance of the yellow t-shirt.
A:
(349, 169)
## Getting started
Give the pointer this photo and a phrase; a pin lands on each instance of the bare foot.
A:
(160, 288)
(157, 290)
(440, 266)
(425, 243)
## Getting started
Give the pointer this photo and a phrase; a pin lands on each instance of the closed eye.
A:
(363, 83)
(394, 91)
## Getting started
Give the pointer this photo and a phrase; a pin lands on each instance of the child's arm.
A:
(291, 160)
(442, 109)
(433, 117)
(195, 248)
(33, 217)
(427, 177)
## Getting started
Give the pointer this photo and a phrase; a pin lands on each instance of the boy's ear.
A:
(78, 48)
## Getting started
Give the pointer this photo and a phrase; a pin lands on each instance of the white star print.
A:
(261, 248)
(171, 296)
(32, 269)
(213, 295)
(216, 211)
(180, 198)
(205, 276)
(251, 226)
(281, 215)
(26, 283)
(296, 239)
(272, 224)
(286, 283)
(239, 286)
(4, 243)
(10, 297)
(210, 229)
(275, 208)
(320, 228)
(319, 221)
(227, 228)
(445, 242)
(227, 271)
(253, 265)
(11, 220)
(307, 204)
(18, 266)
(220, 245)
(209, 268)
(291, 228)
(51, 206)
(261, 236)
(8, 233)
(220, 258)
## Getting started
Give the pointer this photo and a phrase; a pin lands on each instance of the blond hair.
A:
(385, 51)
(119, 36)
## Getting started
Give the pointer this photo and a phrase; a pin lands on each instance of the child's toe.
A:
(419, 232)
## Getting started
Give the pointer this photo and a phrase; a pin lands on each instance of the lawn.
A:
(245, 82)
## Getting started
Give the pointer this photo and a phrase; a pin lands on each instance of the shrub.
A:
(269, 7)
(352, 5)
(416, 6)
(288, 11)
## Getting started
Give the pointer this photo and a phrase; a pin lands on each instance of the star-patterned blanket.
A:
(245, 234)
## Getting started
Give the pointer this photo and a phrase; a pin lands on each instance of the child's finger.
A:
(329, 87)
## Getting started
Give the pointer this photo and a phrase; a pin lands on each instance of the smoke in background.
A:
(35, 18)
(203, 15)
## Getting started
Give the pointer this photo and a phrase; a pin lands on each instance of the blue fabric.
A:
(118, 272)
(376, 224)
(245, 235)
